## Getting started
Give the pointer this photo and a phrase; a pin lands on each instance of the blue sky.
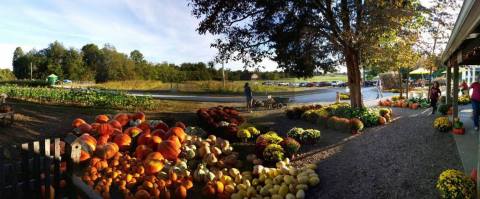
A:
(163, 30)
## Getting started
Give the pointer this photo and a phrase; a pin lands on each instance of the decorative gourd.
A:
(102, 119)
(115, 124)
(209, 190)
(165, 193)
(105, 129)
(144, 126)
(169, 149)
(133, 131)
(77, 122)
(142, 151)
(122, 118)
(84, 155)
(153, 163)
(106, 151)
(95, 126)
(177, 131)
(123, 141)
(176, 140)
(85, 128)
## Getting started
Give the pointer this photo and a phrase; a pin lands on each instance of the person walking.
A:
(475, 98)
(379, 88)
(435, 93)
(464, 88)
(248, 95)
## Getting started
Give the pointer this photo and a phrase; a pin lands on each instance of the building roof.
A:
(467, 21)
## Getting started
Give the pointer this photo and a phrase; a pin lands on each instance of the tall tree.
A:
(302, 35)
(19, 63)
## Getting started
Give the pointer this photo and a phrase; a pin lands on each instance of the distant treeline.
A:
(91, 63)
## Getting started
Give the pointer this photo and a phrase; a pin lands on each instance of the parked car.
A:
(282, 84)
(310, 84)
(324, 84)
(294, 84)
(336, 83)
(267, 83)
(303, 84)
(67, 81)
(342, 84)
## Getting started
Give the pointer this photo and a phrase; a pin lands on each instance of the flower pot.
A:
(459, 131)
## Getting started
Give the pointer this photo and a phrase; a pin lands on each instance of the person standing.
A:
(475, 98)
(464, 88)
(435, 93)
(248, 95)
(379, 88)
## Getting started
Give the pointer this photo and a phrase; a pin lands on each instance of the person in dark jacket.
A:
(248, 95)
(435, 93)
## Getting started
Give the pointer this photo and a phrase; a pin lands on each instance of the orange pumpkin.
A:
(163, 126)
(187, 183)
(103, 139)
(133, 131)
(139, 116)
(160, 133)
(89, 141)
(382, 120)
(142, 194)
(169, 149)
(107, 151)
(165, 194)
(95, 126)
(175, 140)
(105, 129)
(181, 192)
(115, 124)
(122, 118)
(102, 119)
(177, 131)
(123, 141)
(153, 163)
(77, 122)
(181, 125)
(144, 126)
(85, 128)
(155, 141)
(144, 138)
(209, 190)
(142, 151)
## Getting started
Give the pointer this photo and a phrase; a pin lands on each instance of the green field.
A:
(214, 87)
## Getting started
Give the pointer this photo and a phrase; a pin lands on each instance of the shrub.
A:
(455, 184)
(295, 132)
(457, 124)
(291, 146)
(356, 124)
(344, 96)
(306, 136)
(442, 124)
(443, 109)
(244, 135)
(254, 131)
(273, 153)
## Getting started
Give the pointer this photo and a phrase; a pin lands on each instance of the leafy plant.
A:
(457, 124)
(455, 184)
(270, 137)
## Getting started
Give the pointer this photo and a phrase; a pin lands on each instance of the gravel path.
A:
(400, 160)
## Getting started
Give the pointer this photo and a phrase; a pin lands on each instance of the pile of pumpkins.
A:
(221, 121)
(128, 156)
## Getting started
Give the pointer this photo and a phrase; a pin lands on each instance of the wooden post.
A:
(455, 91)
(449, 84)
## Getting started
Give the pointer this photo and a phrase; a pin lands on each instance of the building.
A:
(469, 73)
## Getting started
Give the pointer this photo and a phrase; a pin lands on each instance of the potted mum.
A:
(458, 127)
(455, 184)
(442, 124)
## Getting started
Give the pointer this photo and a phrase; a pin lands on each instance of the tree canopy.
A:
(302, 36)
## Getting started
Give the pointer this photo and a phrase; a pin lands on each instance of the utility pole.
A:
(223, 74)
(31, 74)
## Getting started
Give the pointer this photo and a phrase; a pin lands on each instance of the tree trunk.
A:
(353, 74)
(408, 86)
(431, 68)
(401, 82)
